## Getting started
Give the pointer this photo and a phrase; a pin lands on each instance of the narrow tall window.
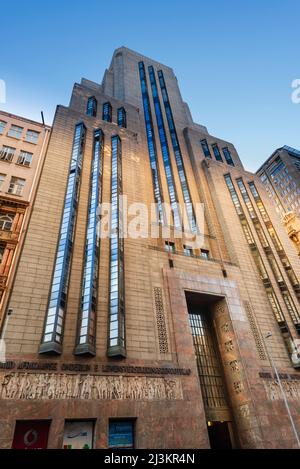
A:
(55, 316)
(2, 178)
(91, 108)
(107, 112)
(275, 240)
(116, 326)
(177, 153)
(227, 155)
(89, 289)
(205, 148)
(151, 143)
(165, 150)
(122, 117)
(208, 360)
(217, 153)
(276, 309)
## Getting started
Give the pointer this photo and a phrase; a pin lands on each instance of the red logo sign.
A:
(31, 435)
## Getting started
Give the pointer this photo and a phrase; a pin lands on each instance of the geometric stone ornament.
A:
(291, 389)
(253, 326)
(160, 321)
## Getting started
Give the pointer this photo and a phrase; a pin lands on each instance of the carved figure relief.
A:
(86, 387)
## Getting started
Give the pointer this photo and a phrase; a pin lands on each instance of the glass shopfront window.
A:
(121, 434)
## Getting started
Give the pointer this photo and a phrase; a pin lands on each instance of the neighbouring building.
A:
(23, 144)
(149, 341)
(280, 175)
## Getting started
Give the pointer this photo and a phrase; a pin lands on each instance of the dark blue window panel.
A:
(205, 148)
(121, 434)
(91, 109)
(122, 122)
(165, 149)
(53, 328)
(107, 112)
(116, 334)
(217, 153)
(227, 155)
(151, 142)
(177, 153)
(87, 315)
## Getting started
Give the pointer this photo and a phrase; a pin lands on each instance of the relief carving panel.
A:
(67, 386)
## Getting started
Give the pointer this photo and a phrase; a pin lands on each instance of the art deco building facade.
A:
(23, 146)
(148, 341)
(280, 175)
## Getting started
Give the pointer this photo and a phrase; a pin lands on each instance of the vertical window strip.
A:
(275, 240)
(116, 330)
(217, 153)
(91, 109)
(177, 152)
(205, 148)
(276, 309)
(165, 149)
(121, 113)
(86, 336)
(208, 361)
(294, 314)
(151, 142)
(53, 328)
(227, 155)
(107, 112)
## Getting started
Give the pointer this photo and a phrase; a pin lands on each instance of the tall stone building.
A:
(23, 144)
(280, 175)
(149, 341)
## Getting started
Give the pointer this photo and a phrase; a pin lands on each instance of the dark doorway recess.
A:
(219, 435)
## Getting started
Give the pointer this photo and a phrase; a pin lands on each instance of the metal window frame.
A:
(62, 264)
(116, 346)
(90, 274)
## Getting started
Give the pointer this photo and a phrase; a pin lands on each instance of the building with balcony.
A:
(23, 146)
(147, 338)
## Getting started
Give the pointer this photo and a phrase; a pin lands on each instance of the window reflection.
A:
(165, 149)
(53, 330)
(177, 153)
(116, 331)
(87, 316)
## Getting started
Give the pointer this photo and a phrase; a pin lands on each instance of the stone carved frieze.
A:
(291, 389)
(76, 386)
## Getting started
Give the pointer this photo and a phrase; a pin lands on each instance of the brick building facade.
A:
(23, 144)
(149, 342)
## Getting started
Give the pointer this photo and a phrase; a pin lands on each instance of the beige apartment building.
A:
(280, 174)
(149, 341)
(23, 146)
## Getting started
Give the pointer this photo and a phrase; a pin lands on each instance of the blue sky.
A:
(235, 60)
